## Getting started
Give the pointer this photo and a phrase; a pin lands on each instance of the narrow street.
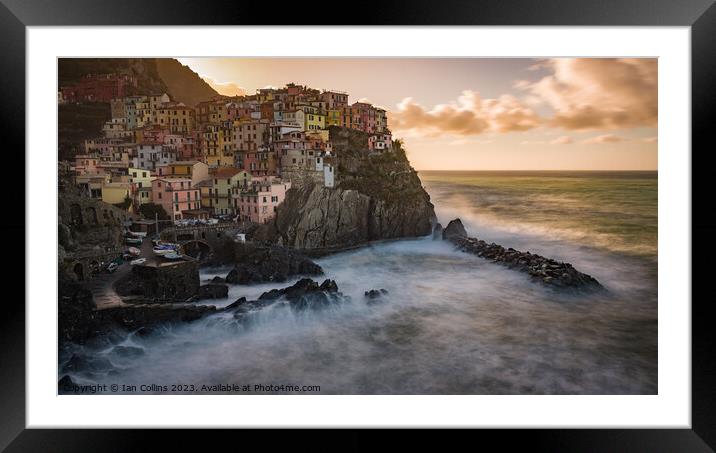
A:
(102, 286)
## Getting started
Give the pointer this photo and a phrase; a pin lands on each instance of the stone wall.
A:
(169, 282)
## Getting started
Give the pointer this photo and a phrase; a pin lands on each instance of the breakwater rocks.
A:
(546, 270)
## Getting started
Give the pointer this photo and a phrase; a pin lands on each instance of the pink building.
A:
(380, 142)
(258, 204)
(176, 195)
(86, 164)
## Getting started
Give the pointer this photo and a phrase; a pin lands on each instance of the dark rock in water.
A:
(85, 363)
(65, 384)
(236, 304)
(260, 264)
(144, 332)
(329, 286)
(127, 351)
(218, 279)
(301, 288)
(375, 295)
(306, 292)
(545, 270)
(213, 291)
(454, 229)
(437, 231)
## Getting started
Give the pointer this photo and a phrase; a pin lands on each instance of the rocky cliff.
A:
(377, 196)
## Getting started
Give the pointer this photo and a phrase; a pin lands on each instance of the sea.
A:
(451, 323)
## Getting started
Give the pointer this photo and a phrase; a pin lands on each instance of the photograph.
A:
(357, 226)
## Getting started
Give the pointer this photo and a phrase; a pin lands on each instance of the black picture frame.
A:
(700, 15)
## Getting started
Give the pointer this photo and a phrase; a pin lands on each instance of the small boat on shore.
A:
(164, 249)
(172, 256)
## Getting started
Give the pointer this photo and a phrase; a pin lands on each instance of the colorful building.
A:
(224, 181)
(194, 170)
(260, 201)
(176, 195)
(116, 192)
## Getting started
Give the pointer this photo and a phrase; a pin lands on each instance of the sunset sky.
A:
(484, 114)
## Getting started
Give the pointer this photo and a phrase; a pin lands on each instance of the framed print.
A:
(462, 218)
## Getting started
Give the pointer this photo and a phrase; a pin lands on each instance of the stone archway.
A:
(76, 214)
(79, 272)
(200, 250)
(91, 213)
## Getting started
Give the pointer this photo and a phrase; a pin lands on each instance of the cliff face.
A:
(376, 197)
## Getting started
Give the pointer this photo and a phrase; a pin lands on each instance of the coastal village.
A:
(228, 158)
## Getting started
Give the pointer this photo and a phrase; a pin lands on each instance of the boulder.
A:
(375, 295)
(65, 385)
(240, 301)
(329, 286)
(454, 230)
(260, 264)
(213, 291)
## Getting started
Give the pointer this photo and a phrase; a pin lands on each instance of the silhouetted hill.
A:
(154, 75)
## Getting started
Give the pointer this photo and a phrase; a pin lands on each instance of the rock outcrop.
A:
(213, 291)
(304, 294)
(545, 270)
(255, 263)
(454, 229)
(377, 196)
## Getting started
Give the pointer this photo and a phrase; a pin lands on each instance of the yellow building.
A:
(314, 119)
(219, 145)
(179, 119)
(116, 192)
(140, 177)
(333, 118)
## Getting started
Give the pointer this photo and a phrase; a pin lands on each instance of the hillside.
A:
(154, 75)
(79, 122)
(183, 84)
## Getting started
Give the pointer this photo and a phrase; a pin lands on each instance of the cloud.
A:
(465, 141)
(599, 93)
(469, 115)
(225, 88)
(606, 138)
(563, 140)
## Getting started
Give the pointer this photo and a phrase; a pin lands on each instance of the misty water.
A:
(452, 323)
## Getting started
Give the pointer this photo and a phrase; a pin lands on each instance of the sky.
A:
(483, 113)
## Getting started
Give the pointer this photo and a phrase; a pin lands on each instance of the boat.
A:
(163, 249)
(138, 261)
(172, 256)
(134, 251)
(133, 240)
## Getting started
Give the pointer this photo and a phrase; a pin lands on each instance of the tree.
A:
(148, 210)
